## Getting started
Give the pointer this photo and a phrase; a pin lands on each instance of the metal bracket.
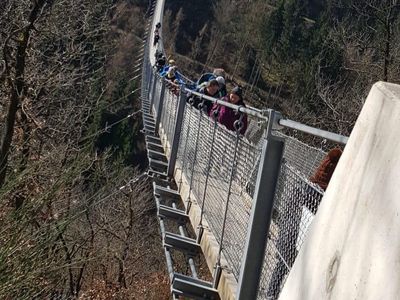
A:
(149, 115)
(149, 121)
(153, 173)
(156, 155)
(275, 122)
(173, 213)
(158, 165)
(154, 146)
(194, 288)
(149, 127)
(148, 132)
(163, 191)
(176, 241)
(153, 139)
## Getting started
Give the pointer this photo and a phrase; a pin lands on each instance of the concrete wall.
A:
(353, 247)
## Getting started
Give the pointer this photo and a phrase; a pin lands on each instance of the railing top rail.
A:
(261, 114)
(334, 137)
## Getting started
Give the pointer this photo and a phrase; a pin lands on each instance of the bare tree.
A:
(70, 230)
(15, 64)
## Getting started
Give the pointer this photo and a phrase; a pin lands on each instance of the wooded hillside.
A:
(77, 219)
(314, 60)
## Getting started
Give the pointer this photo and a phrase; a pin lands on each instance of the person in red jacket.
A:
(228, 116)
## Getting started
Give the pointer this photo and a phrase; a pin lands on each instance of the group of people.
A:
(209, 84)
(169, 71)
(157, 34)
(215, 87)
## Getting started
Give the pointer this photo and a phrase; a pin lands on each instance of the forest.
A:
(77, 218)
(313, 60)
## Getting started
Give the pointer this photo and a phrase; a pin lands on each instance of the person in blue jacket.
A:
(164, 71)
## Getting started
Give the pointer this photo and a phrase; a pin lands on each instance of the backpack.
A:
(204, 79)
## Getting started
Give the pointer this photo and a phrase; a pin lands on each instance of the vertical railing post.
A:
(177, 133)
(149, 84)
(151, 78)
(148, 73)
(153, 90)
(261, 212)
(160, 104)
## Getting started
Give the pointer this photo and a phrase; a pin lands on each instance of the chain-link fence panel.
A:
(157, 94)
(296, 202)
(204, 158)
(168, 117)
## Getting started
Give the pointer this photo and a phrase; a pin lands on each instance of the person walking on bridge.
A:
(211, 90)
(228, 116)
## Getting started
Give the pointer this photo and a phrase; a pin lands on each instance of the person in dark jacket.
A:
(226, 115)
(290, 220)
(211, 90)
(160, 63)
(156, 38)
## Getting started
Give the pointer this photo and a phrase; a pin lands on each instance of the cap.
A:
(220, 80)
(237, 90)
(212, 82)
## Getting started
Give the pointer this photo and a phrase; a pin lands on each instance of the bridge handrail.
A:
(263, 115)
(334, 137)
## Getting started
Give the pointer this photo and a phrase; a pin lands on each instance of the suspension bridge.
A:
(243, 205)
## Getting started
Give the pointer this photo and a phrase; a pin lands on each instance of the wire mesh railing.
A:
(197, 161)
(221, 168)
(296, 202)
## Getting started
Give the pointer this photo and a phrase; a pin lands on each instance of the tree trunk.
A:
(16, 89)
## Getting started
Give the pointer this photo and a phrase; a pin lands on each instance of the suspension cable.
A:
(109, 126)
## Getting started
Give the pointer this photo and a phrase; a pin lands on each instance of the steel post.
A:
(261, 212)
(177, 133)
